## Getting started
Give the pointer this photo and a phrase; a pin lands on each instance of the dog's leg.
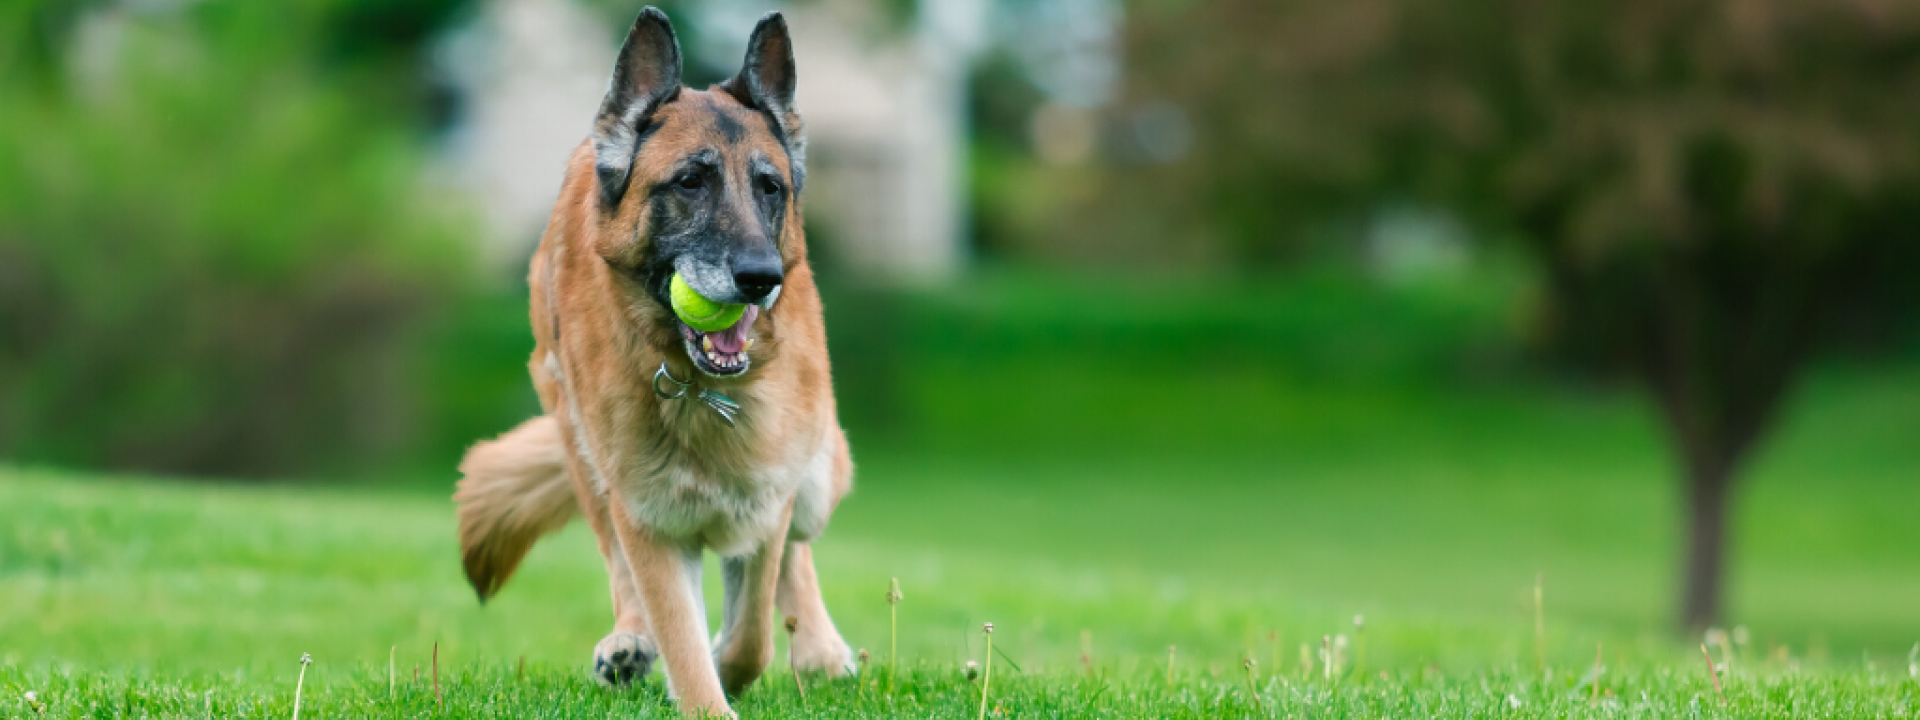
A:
(627, 653)
(744, 648)
(816, 645)
(668, 577)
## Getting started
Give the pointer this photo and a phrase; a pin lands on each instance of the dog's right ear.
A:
(646, 77)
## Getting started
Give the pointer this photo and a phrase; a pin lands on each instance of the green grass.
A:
(1162, 494)
(1643, 690)
(128, 598)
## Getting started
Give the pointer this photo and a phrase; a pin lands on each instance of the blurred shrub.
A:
(1050, 364)
(214, 253)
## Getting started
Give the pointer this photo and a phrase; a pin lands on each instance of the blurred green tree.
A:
(215, 251)
(1716, 191)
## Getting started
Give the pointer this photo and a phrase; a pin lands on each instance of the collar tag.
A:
(728, 409)
(725, 407)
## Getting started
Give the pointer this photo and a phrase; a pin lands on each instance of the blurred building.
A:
(527, 77)
(884, 109)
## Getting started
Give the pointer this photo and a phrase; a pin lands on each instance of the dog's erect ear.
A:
(766, 82)
(646, 76)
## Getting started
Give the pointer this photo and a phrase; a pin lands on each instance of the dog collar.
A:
(728, 410)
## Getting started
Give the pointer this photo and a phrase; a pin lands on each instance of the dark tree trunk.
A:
(1719, 348)
(1710, 446)
(1715, 414)
(1709, 485)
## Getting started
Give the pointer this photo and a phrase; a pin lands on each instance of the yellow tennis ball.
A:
(700, 313)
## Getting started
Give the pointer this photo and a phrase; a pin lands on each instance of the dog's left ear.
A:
(766, 82)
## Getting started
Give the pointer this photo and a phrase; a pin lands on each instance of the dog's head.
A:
(700, 182)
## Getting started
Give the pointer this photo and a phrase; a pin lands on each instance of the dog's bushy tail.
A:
(513, 490)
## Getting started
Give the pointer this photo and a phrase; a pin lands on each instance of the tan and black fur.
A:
(706, 183)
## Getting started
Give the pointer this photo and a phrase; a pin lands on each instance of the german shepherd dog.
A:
(671, 440)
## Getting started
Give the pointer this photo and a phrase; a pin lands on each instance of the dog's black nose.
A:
(756, 273)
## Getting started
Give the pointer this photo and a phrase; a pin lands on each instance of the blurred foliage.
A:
(1600, 128)
(215, 256)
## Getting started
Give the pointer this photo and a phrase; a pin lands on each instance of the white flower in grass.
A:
(1716, 636)
(32, 697)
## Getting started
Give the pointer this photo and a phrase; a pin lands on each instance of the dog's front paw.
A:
(828, 655)
(622, 657)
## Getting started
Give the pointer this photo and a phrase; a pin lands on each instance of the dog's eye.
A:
(766, 185)
(690, 181)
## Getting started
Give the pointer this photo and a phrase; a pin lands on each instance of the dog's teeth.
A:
(706, 343)
(748, 346)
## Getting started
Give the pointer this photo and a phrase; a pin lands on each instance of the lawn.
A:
(1089, 519)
